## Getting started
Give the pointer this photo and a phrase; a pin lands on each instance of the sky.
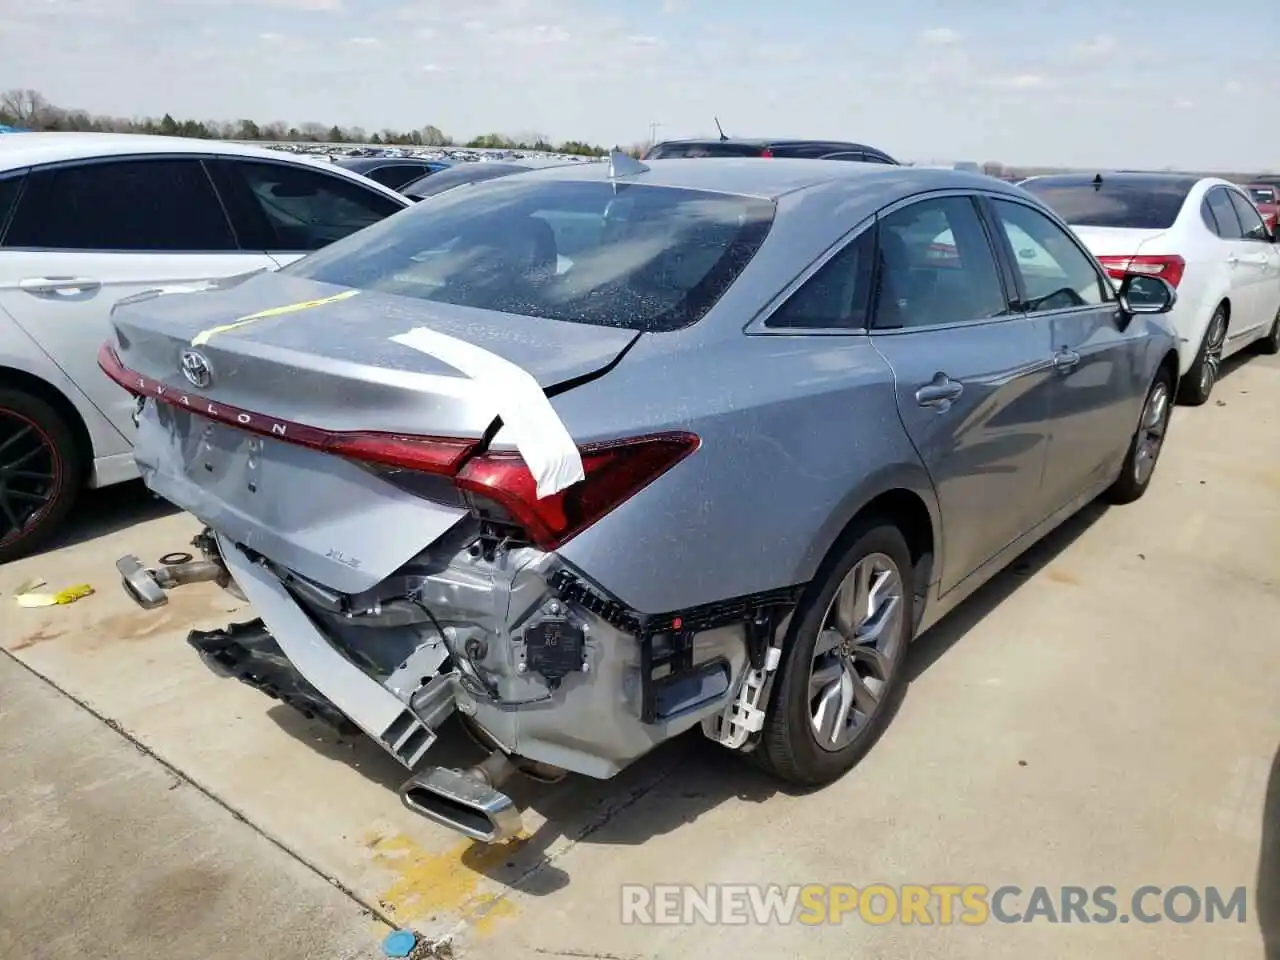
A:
(1126, 83)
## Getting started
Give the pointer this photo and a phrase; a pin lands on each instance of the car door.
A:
(1232, 253)
(290, 209)
(1097, 383)
(84, 235)
(972, 375)
(1259, 267)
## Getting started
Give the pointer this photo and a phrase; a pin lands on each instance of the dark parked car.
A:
(393, 172)
(457, 175)
(800, 149)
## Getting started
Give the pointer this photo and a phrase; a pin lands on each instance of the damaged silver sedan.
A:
(597, 455)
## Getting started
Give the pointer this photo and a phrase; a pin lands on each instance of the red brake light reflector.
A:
(766, 152)
(615, 472)
(1170, 267)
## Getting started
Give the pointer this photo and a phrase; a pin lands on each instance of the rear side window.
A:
(1250, 220)
(1118, 202)
(9, 188)
(634, 256)
(163, 205)
(676, 151)
(309, 209)
(1224, 214)
(837, 296)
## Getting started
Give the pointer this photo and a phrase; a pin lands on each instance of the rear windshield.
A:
(1263, 194)
(617, 255)
(676, 151)
(1138, 204)
(442, 180)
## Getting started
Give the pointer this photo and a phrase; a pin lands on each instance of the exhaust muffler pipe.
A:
(467, 801)
(148, 588)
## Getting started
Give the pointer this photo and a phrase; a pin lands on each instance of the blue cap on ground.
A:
(399, 943)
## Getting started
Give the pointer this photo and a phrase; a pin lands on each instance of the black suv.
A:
(806, 149)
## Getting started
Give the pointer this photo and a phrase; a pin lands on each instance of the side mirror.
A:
(1140, 293)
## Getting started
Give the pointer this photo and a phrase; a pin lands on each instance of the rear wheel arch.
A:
(914, 517)
(28, 383)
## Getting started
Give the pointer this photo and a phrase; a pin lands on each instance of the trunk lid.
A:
(1119, 241)
(324, 355)
(325, 363)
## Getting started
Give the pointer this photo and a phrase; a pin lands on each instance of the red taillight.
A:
(766, 152)
(438, 455)
(615, 472)
(1166, 267)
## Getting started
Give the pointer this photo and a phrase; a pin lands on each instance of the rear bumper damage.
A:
(551, 672)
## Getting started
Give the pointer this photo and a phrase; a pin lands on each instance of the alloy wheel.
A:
(857, 651)
(29, 475)
(1151, 431)
(1214, 341)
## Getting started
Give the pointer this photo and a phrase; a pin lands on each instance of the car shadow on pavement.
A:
(100, 513)
(1266, 895)
(930, 647)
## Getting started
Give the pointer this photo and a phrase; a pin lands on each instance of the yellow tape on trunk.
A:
(203, 337)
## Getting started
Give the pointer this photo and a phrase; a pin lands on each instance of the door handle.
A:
(1233, 260)
(939, 392)
(1065, 360)
(55, 284)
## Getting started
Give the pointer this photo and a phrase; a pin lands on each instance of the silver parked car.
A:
(601, 453)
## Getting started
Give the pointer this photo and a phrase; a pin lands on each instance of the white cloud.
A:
(940, 36)
(1232, 86)
(1100, 46)
(433, 68)
(270, 37)
(1021, 81)
(364, 41)
(643, 40)
(312, 5)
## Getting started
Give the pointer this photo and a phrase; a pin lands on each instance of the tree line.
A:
(30, 110)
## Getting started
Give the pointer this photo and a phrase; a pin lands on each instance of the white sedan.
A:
(1203, 235)
(87, 219)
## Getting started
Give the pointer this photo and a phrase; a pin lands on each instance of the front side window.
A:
(837, 296)
(1056, 273)
(622, 255)
(935, 266)
(1251, 223)
(144, 205)
(309, 209)
(1224, 214)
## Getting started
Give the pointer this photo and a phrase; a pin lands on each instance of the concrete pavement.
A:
(107, 854)
(1104, 713)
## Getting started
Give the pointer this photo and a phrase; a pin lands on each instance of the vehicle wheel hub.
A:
(28, 474)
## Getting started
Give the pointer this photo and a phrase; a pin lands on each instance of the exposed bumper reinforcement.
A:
(368, 704)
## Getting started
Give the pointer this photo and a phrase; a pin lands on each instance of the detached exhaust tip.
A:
(463, 802)
(140, 583)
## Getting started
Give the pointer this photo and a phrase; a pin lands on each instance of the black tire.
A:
(62, 460)
(1132, 483)
(1270, 344)
(1198, 384)
(788, 748)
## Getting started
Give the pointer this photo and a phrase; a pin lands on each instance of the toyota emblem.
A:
(196, 369)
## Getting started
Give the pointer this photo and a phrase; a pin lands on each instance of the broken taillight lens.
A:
(615, 472)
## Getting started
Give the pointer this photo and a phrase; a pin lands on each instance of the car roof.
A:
(27, 149)
(772, 179)
(360, 164)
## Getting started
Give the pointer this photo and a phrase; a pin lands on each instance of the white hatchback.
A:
(1203, 235)
(87, 219)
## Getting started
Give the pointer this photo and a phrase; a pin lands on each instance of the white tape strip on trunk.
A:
(539, 435)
